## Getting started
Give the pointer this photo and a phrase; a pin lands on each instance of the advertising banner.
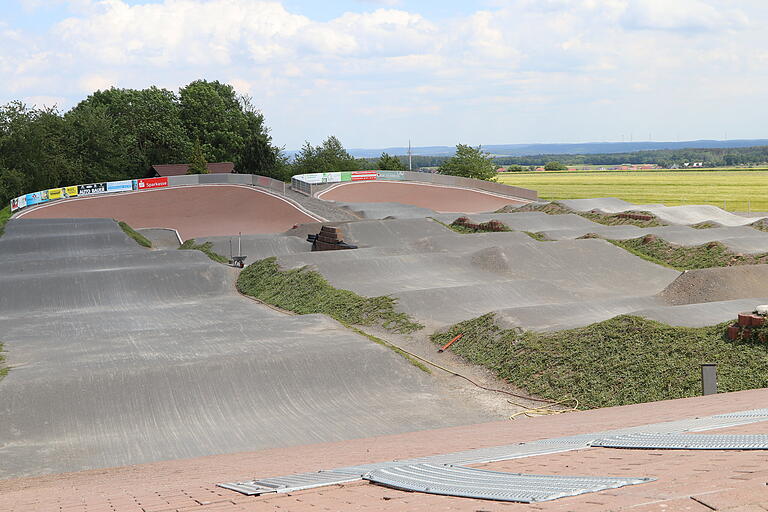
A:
(331, 177)
(363, 175)
(315, 177)
(55, 193)
(346, 176)
(390, 175)
(148, 183)
(71, 191)
(119, 186)
(37, 197)
(92, 188)
(18, 202)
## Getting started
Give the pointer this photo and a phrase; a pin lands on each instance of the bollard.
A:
(709, 379)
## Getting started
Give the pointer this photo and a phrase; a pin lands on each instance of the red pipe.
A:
(445, 347)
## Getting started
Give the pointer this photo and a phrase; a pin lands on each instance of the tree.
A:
(469, 162)
(330, 156)
(389, 163)
(149, 122)
(197, 162)
(555, 166)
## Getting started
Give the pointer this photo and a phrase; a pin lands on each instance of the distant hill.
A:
(585, 148)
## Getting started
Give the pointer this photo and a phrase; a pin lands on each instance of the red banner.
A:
(363, 175)
(152, 183)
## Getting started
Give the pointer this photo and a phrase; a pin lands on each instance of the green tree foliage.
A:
(389, 163)
(330, 156)
(120, 133)
(555, 166)
(666, 158)
(469, 162)
(197, 162)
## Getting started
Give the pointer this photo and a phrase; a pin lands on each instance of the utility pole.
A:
(410, 163)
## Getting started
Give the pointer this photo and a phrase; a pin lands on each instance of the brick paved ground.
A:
(688, 480)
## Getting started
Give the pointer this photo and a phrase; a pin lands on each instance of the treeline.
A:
(667, 158)
(120, 133)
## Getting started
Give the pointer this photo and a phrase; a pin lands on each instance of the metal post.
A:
(709, 379)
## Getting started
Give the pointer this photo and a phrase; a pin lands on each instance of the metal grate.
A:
(291, 483)
(512, 451)
(648, 441)
(755, 413)
(492, 485)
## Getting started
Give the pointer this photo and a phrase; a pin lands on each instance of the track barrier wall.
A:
(115, 187)
(311, 184)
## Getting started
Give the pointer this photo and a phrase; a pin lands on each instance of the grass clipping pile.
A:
(305, 291)
(625, 360)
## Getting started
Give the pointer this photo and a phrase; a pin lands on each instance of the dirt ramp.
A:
(717, 284)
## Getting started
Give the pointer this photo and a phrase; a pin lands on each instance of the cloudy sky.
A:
(378, 72)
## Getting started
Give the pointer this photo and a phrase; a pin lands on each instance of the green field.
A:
(736, 190)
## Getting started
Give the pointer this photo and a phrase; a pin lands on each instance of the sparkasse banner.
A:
(148, 183)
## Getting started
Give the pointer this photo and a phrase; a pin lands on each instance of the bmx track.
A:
(121, 355)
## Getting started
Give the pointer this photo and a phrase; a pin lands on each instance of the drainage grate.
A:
(492, 485)
(686, 441)
(655, 431)
(291, 483)
(755, 413)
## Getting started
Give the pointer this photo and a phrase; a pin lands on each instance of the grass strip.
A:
(3, 368)
(625, 360)
(5, 215)
(616, 219)
(138, 237)
(712, 254)
(541, 237)
(206, 248)
(415, 362)
(306, 291)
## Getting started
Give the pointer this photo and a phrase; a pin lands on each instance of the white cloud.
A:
(92, 83)
(682, 15)
(514, 58)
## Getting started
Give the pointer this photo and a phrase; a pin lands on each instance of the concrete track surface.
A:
(123, 355)
(432, 197)
(687, 214)
(741, 239)
(194, 211)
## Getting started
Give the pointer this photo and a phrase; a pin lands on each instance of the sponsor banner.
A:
(93, 188)
(55, 193)
(148, 183)
(71, 191)
(390, 175)
(119, 186)
(37, 197)
(346, 176)
(331, 177)
(363, 175)
(18, 202)
(316, 177)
